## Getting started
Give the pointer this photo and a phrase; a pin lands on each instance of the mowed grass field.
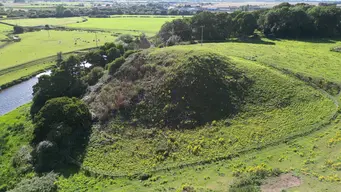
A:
(43, 21)
(36, 45)
(150, 25)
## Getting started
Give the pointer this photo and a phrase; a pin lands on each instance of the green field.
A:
(43, 21)
(36, 45)
(150, 26)
(4, 30)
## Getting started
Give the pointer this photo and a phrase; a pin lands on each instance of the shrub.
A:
(115, 65)
(45, 183)
(22, 159)
(128, 53)
(18, 30)
(173, 40)
(45, 156)
(95, 74)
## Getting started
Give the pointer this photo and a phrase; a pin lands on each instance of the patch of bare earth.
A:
(277, 184)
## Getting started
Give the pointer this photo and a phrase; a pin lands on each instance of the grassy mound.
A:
(274, 107)
(189, 92)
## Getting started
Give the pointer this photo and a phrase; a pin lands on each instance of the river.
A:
(18, 95)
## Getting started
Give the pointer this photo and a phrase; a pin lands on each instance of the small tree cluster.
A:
(62, 128)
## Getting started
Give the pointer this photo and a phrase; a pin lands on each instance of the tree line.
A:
(103, 11)
(282, 21)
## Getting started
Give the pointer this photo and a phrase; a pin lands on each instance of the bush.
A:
(95, 74)
(18, 30)
(173, 40)
(193, 93)
(45, 156)
(45, 183)
(115, 65)
(128, 53)
(22, 159)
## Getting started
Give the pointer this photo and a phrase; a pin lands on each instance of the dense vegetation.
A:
(282, 21)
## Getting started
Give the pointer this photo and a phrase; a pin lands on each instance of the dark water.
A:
(17, 95)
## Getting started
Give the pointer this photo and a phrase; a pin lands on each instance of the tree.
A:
(18, 29)
(177, 27)
(207, 20)
(1, 4)
(64, 81)
(173, 40)
(60, 11)
(95, 58)
(95, 74)
(245, 24)
(19, 1)
(288, 22)
(112, 54)
(327, 20)
(68, 13)
(61, 131)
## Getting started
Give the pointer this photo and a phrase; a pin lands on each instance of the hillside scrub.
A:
(182, 93)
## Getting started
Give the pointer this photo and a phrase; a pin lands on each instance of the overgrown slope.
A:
(274, 107)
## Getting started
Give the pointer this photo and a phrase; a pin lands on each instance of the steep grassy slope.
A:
(15, 131)
(276, 107)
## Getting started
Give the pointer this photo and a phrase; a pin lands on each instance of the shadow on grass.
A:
(253, 40)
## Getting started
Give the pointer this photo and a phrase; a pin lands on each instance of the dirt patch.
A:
(277, 184)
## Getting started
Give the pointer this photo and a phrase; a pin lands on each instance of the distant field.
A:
(147, 25)
(4, 29)
(37, 45)
(44, 21)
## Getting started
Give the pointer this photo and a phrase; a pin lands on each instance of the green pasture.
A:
(22, 72)
(4, 30)
(44, 21)
(36, 45)
(150, 26)
(311, 58)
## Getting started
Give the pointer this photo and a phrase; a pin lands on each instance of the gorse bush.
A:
(115, 65)
(45, 183)
(95, 74)
(203, 88)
